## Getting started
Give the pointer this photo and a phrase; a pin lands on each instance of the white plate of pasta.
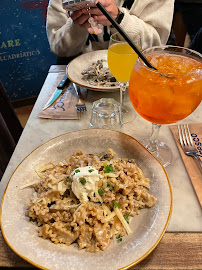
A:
(90, 70)
(90, 199)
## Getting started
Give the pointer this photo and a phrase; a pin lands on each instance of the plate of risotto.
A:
(89, 199)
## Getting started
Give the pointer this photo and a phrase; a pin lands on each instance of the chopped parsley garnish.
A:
(126, 218)
(108, 185)
(49, 188)
(116, 205)
(121, 160)
(108, 168)
(119, 238)
(91, 170)
(100, 191)
(83, 181)
(40, 201)
(68, 179)
(76, 171)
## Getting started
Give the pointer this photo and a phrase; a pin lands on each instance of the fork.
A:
(80, 106)
(187, 144)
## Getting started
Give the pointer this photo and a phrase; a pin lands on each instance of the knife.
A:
(57, 92)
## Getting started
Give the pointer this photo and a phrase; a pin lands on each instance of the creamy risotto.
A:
(88, 199)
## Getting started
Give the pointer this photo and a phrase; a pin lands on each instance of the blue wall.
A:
(25, 55)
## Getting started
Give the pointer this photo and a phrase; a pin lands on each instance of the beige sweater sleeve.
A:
(151, 19)
(65, 38)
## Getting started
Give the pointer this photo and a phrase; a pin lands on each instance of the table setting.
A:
(142, 212)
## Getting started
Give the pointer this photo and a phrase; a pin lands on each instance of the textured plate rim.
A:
(122, 268)
(88, 86)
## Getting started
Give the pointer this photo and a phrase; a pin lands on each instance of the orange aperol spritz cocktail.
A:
(168, 94)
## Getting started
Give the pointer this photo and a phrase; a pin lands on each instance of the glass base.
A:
(163, 154)
(127, 115)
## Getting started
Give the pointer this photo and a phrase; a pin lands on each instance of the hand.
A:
(80, 18)
(98, 16)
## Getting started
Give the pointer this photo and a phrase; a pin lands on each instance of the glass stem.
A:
(122, 92)
(153, 144)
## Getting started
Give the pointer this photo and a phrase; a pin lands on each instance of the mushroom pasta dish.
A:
(98, 74)
(88, 199)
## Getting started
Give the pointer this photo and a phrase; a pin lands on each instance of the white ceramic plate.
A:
(147, 228)
(82, 62)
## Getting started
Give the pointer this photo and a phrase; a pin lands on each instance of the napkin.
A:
(64, 106)
(189, 162)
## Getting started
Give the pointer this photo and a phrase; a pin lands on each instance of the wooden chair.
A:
(10, 130)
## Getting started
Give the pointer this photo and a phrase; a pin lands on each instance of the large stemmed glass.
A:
(121, 59)
(168, 94)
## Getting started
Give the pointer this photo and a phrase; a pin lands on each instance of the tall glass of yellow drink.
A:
(168, 94)
(121, 59)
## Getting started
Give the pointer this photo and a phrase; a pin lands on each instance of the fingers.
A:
(76, 14)
(105, 3)
(80, 19)
(86, 25)
(93, 11)
(102, 20)
(109, 5)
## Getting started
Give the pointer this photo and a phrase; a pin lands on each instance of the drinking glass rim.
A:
(124, 41)
(142, 64)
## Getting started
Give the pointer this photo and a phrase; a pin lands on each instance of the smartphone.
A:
(72, 5)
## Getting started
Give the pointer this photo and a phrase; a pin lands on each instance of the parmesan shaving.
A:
(39, 200)
(29, 184)
(61, 163)
(40, 174)
(73, 206)
(106, 209)
(58, 179)
(104, 184)
(123, 221)
(110, 216)
(65, 208)
(74, 217)
(61, 186)
(44, 167)
(112, 174)
(53, 178)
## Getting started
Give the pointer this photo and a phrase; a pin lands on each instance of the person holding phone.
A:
(68, 35)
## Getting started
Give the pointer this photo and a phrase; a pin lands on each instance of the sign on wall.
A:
(25, 55)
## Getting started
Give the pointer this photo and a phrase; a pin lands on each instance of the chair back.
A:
(10, 130)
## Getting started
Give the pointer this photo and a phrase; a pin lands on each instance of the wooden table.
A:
(181, 245)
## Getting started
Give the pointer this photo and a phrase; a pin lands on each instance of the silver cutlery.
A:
(187, 144)
(80, 106)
